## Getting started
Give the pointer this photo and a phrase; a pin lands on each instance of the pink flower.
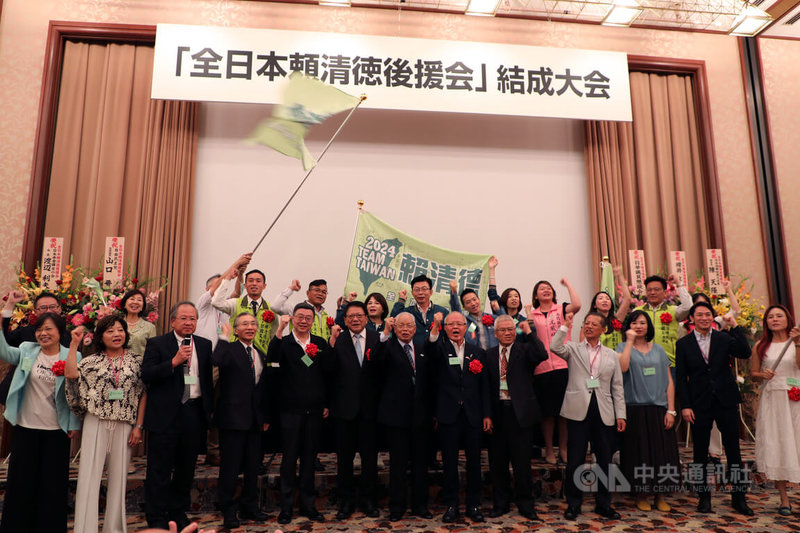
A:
(104, 311)
(87, 308)
(152, 316)
(78, 320)
(87, 339)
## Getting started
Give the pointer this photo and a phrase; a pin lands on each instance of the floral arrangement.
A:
(83, 300)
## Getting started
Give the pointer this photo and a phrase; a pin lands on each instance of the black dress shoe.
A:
(343, 514)
(450, 515)
(572, 512)
(371, 510)
(253, 515)
(422, 513)
(284, 517)
(607, 512)
(475, 514)
(741, 507)
(394, 516)
(530, 514)
(497, 512)
(704, 505)
(314, 515)
(229, 521)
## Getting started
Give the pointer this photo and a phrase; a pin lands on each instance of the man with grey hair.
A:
(404, 410)
(177, 371)
(463, 409)
(514, 413)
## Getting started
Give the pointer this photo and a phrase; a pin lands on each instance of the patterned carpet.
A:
(550, 506)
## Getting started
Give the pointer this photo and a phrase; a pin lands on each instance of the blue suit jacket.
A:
(30, 350)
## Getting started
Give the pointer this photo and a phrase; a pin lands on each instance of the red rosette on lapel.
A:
(312, 349)
(487, 320)
(267, 316)
(665, 318)
(475, 366)
(58, 368)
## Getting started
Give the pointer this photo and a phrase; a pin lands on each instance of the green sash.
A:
(264, 334)
(320, 326)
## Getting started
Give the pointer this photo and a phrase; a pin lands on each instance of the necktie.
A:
(407, 348)
(504, 362)
(359, 351)
(186, 386)
(249, 350)
(254, 305)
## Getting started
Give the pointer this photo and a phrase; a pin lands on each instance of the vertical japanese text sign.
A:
(678, 260)
(51, 262)
(715, 270)
(112, 262)
(638, 270)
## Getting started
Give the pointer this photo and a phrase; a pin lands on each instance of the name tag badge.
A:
(115, 394)
(189, 380)
(649, 371)
(453, 361)
(472, 327)
(793, 382)
(307, 360)
(592, 383)
(26, 364)
(503, 385)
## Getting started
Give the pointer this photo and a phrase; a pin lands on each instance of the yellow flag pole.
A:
(297, 189)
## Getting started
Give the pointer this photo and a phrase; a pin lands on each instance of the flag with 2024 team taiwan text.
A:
(385, 260)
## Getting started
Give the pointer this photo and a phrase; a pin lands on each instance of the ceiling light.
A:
(622, 13)
(337, 3)
(486, 8)
(750, 21)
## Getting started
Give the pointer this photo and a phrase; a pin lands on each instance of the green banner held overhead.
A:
(385, 260)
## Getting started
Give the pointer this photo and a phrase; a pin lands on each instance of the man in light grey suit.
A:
(595, 398)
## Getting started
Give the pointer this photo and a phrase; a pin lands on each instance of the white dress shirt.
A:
(194, 389)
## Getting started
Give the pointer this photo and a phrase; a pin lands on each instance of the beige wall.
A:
(781, 74)
(23, 30)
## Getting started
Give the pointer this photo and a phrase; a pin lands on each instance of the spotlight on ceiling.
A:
(485, 8)
(622, 13)
(750, 21)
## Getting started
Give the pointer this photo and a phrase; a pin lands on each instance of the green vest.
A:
(264, 334)
(320, 327)
(611, 340)
(666, 334)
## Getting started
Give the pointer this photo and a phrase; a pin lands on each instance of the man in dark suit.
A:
(404, 411)
(302, 359)
(353, 405)
(423, 309)
(462, 409)
(708, 393)
(177, 372)
(241, 415)
(514, 412)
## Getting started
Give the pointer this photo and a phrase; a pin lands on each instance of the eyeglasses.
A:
(186, 318)
(301, 318)
(355, 315)
(47, 308)
(421, 289)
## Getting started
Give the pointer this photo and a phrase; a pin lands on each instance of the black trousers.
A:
(579, 434)
(727, 419)
(171, 458)
(510, 442)
(452, 436)
(351, 436)
(37, 482)
(408, 444)
(240, 451)
(300, 434)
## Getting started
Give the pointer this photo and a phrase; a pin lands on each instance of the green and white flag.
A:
(306, 101)
(385, 260)
(607, 280)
